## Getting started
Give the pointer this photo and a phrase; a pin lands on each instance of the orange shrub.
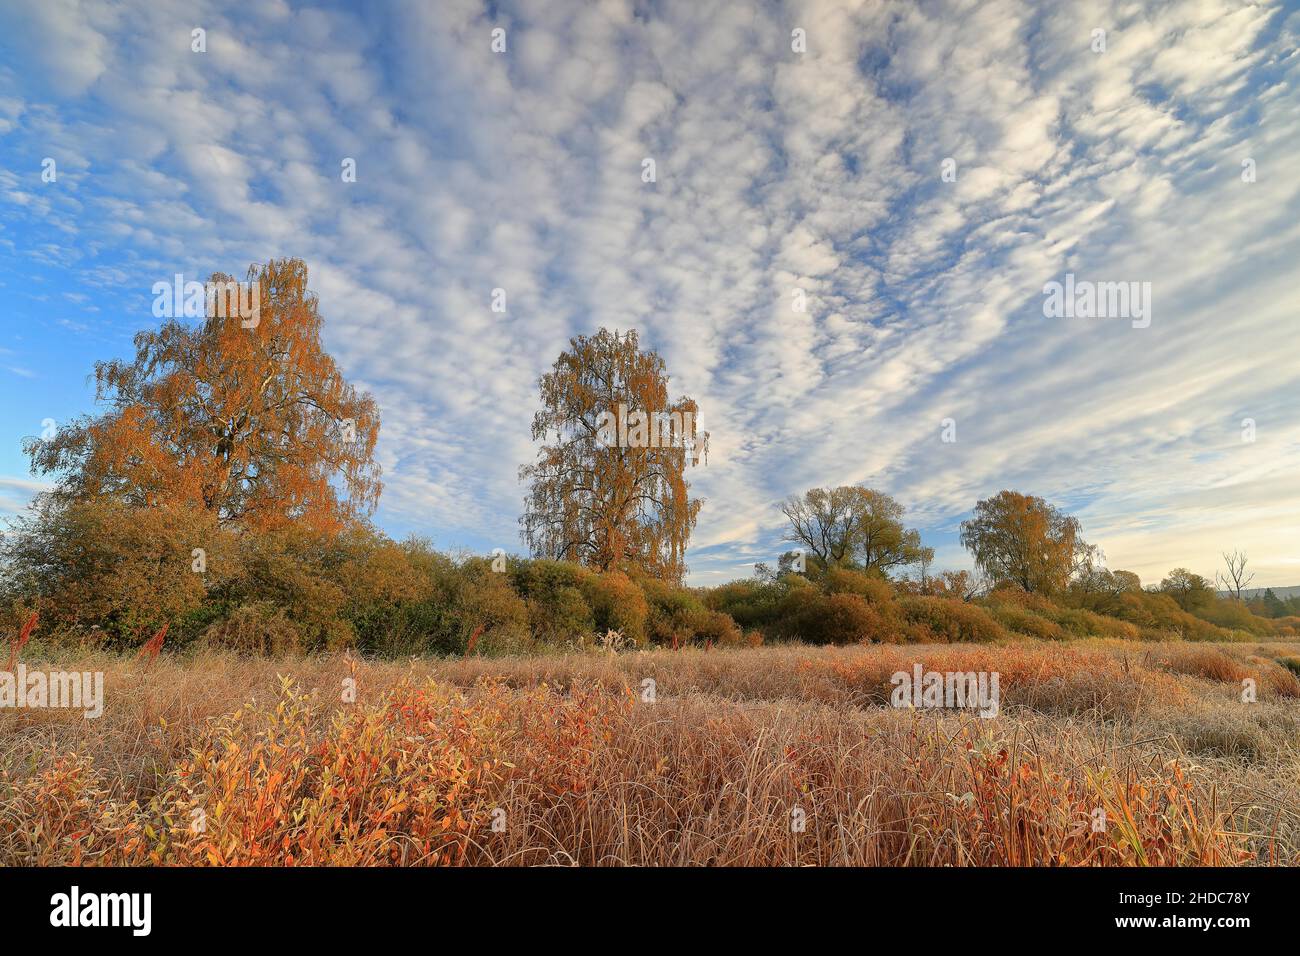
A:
(1015, 597)
(1086, 623)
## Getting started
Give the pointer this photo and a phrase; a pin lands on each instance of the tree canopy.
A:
(852, 526)
(1188, 588)
(1022, 540)
(609, 490)
(254, 425)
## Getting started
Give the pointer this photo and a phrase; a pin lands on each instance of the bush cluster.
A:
(107, 575)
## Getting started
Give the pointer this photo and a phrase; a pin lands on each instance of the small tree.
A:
(1235, 580)
(1272, 605)
(610, 490)
(823, 521)
(882, 543)
(853, 526)
(1190, 590)
(1100, 589)
(959, 585)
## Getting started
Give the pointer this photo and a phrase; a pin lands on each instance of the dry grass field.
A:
(763, 756)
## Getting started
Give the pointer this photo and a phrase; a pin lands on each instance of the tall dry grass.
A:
(769, 756)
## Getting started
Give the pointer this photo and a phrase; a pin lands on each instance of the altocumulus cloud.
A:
(776, 171)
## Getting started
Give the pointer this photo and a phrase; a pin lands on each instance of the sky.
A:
(916, 173)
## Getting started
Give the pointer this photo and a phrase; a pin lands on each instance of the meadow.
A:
(285, 684)
(782, 754)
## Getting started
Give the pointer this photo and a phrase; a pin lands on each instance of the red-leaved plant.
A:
(16, 645)
(149, 651)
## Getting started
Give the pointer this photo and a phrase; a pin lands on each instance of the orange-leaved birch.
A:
(254, 425)
(609, 488)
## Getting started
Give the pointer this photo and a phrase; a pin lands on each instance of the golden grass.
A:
(222, 759)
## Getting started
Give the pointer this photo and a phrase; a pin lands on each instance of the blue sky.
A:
(776, 170)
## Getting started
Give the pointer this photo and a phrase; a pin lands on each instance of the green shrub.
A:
(874, 589)
(951, 621)
(487, 601)
(752, 603)
(666, 597)
(295, 570)
(431, 623)
(1026, 622)
(126, 571)
(670, 610)
(561, 617)
(558, 610)
(818, 618)
(617, 604)
(381, 582)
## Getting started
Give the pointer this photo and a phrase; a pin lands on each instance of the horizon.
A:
(780, 177)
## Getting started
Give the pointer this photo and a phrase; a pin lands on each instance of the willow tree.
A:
(1024, 541)
(609, 486)
(248, 420)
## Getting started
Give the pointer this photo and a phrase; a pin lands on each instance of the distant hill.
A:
(1283, 593)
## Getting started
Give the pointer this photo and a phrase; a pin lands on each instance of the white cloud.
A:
(775, 170)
